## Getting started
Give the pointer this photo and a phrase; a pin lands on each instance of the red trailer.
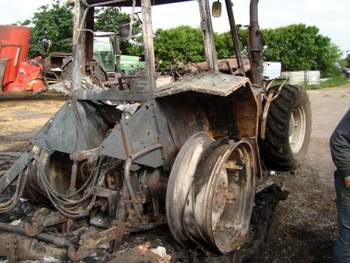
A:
(17, 73)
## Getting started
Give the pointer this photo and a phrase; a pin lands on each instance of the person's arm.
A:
(340, 148)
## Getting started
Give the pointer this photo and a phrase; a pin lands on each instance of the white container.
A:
(313, 77)
(272, 70)
(295, 77)
(303, 77)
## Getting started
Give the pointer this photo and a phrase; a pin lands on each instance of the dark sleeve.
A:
(340, 146)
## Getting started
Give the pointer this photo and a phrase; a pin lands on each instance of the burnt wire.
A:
(72, 205)
(67, 204)
(12, 202)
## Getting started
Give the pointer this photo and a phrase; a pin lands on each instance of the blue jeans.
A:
(342, 245)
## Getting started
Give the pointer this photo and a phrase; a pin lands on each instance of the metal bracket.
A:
(112, 198)
(90, 240)
(41, 219)
(269, 96)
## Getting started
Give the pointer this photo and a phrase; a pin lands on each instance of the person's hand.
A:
(347, 182)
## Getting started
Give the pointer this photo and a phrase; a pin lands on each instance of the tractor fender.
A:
(67, 133)
(213, 83)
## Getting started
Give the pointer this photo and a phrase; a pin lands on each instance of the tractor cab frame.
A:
(84, 26)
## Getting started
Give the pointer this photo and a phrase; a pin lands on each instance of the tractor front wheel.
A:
(288, 130)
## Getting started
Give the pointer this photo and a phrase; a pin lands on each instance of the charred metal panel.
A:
(137, 134)
(185, 115)
(66, 133)
(234, 116)
(208, 83)
(111, 95)
(246, 108)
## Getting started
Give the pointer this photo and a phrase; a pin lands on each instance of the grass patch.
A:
(334, 82)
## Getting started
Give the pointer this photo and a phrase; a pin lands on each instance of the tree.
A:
(224, 44)
(109, 20)
(52, 29)
(301, 47)
(183, 43)
(298, 47)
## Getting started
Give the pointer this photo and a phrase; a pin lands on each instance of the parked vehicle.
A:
(18, 73)
(106, 52)
(346, 72)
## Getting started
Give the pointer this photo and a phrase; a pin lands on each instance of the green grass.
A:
(334, 82)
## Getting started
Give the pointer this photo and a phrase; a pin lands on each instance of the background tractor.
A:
(106, 52)
(132, 153)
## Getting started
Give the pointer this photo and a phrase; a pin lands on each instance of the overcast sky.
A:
(331, 16)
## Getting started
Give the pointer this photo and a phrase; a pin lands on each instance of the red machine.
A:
(17, 74)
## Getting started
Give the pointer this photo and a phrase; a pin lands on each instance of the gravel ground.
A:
(304, 225)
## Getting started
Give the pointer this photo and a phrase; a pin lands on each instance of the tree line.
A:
(297, 46)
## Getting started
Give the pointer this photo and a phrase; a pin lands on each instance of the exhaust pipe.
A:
(255, 45)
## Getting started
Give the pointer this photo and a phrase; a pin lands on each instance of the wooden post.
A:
(148, 42)
(208, 34)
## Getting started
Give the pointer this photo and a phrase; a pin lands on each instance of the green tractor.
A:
(107, 53)
(107, 64)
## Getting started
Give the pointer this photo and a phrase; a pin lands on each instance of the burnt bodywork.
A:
(183, 107)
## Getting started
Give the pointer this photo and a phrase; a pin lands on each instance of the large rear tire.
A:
(288, 130)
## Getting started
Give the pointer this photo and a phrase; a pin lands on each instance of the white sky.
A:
(331, 16)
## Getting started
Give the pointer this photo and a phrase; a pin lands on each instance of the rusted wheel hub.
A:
(220, 200)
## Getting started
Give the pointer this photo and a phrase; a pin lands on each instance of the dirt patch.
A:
(304, 226)
(20, 120)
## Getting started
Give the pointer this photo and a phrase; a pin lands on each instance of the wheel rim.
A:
(230, 220)
(180, 181)
(219, 208)
(297, 129)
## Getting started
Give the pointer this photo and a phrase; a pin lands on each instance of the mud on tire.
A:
(288, 130)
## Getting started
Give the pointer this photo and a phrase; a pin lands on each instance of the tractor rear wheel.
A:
(288, 130)
(210, 193)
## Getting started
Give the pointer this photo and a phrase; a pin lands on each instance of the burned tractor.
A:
(131, 154)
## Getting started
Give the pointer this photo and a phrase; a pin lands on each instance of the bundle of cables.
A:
(12, 202)
(78, 203)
